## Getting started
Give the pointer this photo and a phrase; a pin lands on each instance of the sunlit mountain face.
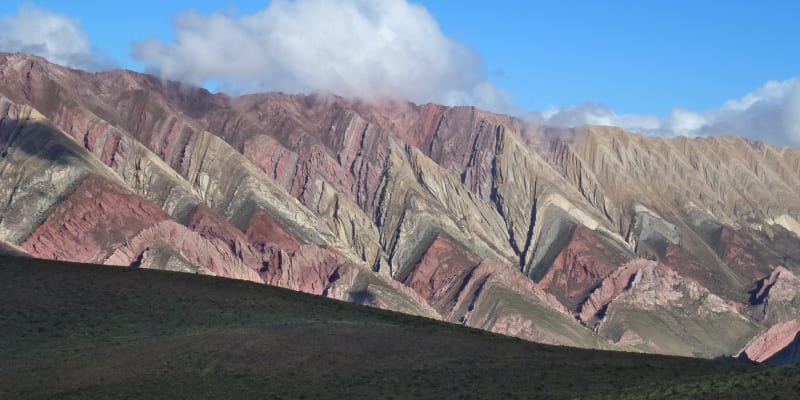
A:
(590, 237)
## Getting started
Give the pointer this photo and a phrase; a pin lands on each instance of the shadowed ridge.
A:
(8, 249)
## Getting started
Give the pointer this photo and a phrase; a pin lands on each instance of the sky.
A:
(660, 68)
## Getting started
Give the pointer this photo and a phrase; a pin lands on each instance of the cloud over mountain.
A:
(358, 48)
(370, 49)
(53, 36)
(770, 113)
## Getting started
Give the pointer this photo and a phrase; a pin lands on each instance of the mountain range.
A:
(588, 237)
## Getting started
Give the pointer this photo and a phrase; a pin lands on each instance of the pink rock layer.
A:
(580, 266)
(743, 255)
(308, 269)
(98, 217)
(440, 270)
(611, 287)
(214, 256)
(450, 278)
(775, 339)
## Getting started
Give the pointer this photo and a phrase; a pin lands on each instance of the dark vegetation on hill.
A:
(73, 331)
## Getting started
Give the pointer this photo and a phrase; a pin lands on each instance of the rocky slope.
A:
(779, 344)
(590, 237)
(776, 297)
(659, 311)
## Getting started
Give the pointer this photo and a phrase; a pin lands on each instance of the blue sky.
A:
(636, 58)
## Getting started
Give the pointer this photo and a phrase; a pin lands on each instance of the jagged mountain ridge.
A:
(450, 212)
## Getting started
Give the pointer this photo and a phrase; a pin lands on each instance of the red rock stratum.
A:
(591, 237)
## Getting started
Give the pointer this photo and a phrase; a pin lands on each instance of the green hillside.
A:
(81, 331)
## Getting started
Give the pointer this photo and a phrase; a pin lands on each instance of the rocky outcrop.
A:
(485, 294)
(662, 312)
(780, 344)
(776, 297)
(506, 301)
(441, 272)
(614, 285)
(96, 219)
(309, 269)
(585, 261)
(789, 355)
(210, 257)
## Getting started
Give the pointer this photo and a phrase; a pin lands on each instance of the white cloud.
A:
(593, 114)
(53, 36)
(770, 113)
(371, 49)
(354, 48)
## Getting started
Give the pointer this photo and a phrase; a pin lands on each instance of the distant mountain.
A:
(590, 237)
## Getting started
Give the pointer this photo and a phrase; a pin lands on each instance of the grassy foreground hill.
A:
(82, 331)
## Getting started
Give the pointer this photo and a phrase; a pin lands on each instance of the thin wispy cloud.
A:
(770, 113)
(353, 48)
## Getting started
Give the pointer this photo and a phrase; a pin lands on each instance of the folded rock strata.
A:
(449, 212)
